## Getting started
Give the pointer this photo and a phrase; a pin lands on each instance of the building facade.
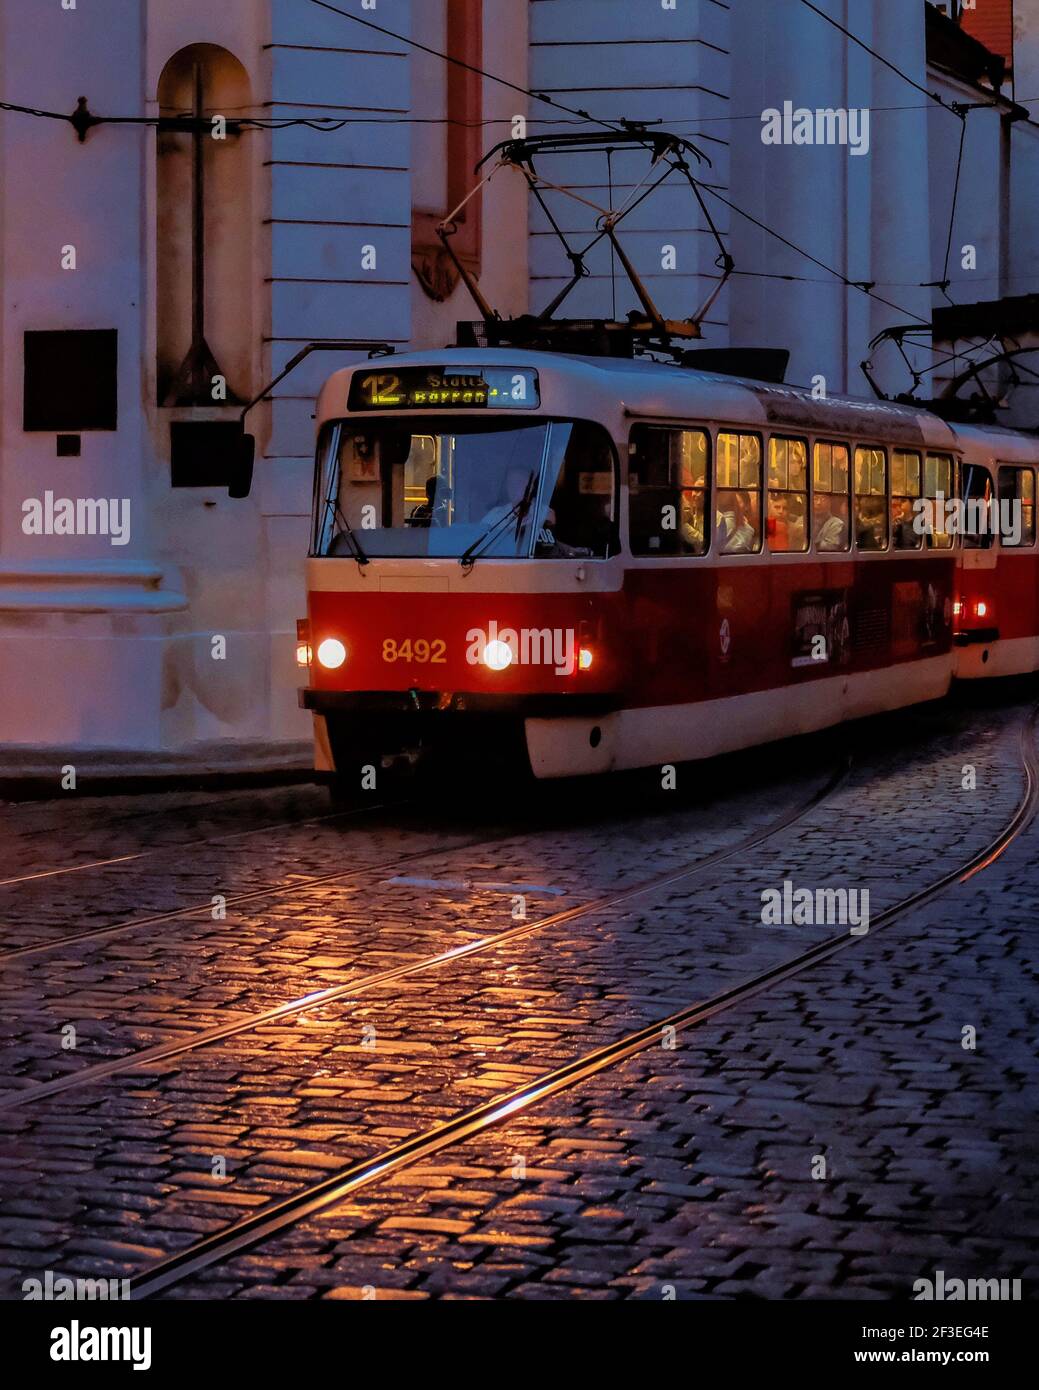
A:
(154, 279)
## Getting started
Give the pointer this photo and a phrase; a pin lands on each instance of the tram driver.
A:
(518, 484)
(435, 509)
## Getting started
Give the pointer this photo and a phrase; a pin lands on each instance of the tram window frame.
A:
(1028, 534)
(756, 492)
(684, 547)
(898, 527)
(830, 491)
(788, 492)
(937, 539)
(872, 495)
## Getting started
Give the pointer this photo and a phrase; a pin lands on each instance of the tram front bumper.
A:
(537, 706)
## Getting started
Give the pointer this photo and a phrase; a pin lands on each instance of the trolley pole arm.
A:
(240, 483)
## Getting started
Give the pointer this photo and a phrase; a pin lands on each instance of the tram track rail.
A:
(275, 890)
(253, 1230)
(181, 846)
(163, 1052)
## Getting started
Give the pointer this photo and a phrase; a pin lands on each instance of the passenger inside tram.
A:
(778, 521)
(831, 521)
(871, 528)
(797, 523)
(692, 520)
(740, 529)
(902, 528)
(786, 521)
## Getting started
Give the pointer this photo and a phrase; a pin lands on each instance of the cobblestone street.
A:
(841, 1134)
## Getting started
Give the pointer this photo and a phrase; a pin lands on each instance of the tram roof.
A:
(647, 389)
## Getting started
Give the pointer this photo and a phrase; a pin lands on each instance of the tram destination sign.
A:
(451, 388)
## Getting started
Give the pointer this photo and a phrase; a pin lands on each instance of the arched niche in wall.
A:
(204, 232)
(445, 154)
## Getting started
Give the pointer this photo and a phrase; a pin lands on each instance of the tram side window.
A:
(939, 487)
(738, 520)
(871, 529)
(906, 483)
(830, 507)
(978, 495)
(787, 526)
(1016, 507)
(667, 483)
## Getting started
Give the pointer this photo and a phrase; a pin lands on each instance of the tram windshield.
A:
(465, 489)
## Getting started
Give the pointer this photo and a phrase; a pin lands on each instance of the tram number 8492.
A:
(415, 650)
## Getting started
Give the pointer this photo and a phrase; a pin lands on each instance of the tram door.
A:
(979, 529)
(427, 480)
(976, 604)
(1016, 611)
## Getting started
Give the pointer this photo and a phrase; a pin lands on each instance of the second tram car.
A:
(607, 563)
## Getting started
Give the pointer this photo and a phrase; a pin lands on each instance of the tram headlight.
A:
(585, 658)
(304, 655)
(497, 656)
(981, 609)
(331, 653)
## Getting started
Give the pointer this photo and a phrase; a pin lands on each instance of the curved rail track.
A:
(164, 1051)
(181, 845)
(275, 890)
(280, 1215)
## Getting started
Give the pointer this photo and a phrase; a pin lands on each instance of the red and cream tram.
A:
(607, 563)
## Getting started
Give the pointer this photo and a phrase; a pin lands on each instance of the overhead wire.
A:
(83, 119)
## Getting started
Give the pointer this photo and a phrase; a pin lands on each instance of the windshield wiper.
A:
(519, 511)
(348, 532)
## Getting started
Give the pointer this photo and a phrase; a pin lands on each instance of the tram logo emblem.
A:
(499, 648)
(725, 637)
